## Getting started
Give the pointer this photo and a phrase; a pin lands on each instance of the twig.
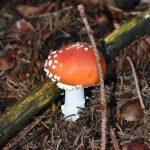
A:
(51, 13)
(58, 144)
(136, 83)
(25, 132)
(102, 87)
(114, 139)
(78, 136)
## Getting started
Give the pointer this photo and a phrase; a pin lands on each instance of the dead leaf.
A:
(7, 61)
(27, 10)
(24, 27)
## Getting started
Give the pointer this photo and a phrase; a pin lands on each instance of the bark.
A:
(19, 114)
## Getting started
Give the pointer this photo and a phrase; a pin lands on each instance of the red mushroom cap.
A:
(75, 65)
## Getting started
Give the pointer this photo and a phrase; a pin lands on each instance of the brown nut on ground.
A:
(130, 115)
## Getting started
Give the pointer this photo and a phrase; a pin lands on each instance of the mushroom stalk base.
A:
(73, 99)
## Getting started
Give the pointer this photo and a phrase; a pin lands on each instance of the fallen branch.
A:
(19, 114)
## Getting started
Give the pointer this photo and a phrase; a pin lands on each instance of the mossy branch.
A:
(19, 114)
(127, 33)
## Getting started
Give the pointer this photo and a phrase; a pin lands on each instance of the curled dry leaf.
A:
(24, 27)
(139, 52)
(27, 10)
(135, 145)
(130, 115)
(7, 61)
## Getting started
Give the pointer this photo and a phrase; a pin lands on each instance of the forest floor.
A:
(29, 31)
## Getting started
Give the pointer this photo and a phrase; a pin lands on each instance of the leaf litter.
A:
(29, 30)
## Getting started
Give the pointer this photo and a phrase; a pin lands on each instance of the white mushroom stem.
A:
(73, 99)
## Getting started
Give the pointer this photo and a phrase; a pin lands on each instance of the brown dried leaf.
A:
(139, 52)
(27, 10)
(24, 27)
(7, 61)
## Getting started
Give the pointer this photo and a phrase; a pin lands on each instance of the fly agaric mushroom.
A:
(74, 67)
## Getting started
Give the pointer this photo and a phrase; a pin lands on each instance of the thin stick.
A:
(102, 87)
(114, 139)
(25, 132)
(51, 13)
(136, 83)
